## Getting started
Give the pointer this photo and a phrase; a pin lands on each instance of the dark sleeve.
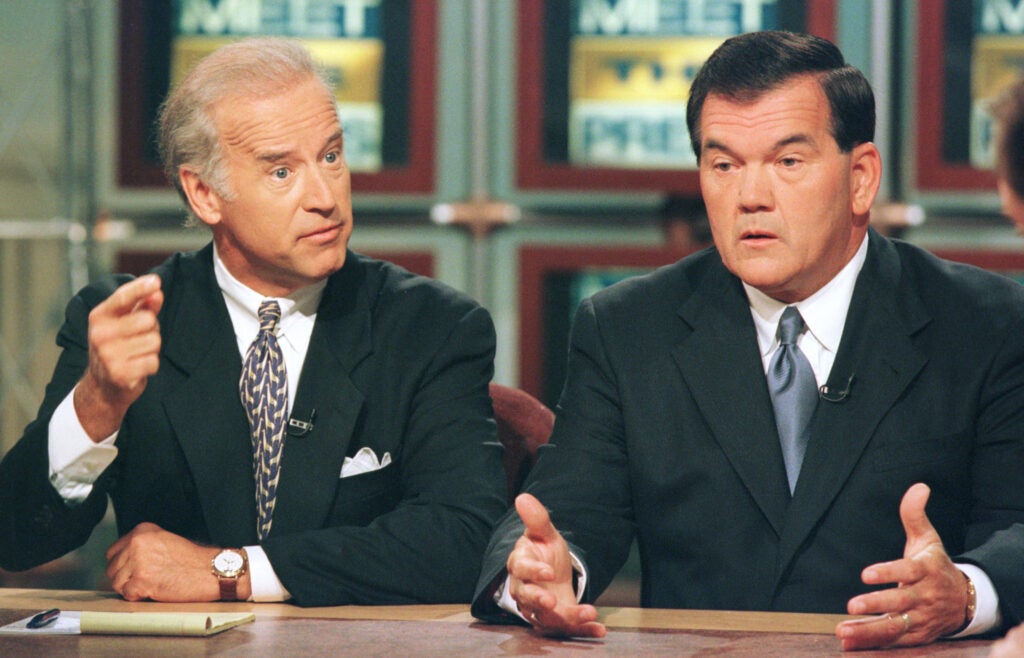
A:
(36, 525)
(427, 549)
(581, 476)
(995, 535)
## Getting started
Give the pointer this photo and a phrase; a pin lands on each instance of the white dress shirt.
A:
(824, 315)
(76, 462)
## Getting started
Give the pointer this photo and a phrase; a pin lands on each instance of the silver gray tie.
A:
(794, 393)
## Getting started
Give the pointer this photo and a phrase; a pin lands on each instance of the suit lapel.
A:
(311, 462)
(719, 361)
(877, 350)
(204, 409)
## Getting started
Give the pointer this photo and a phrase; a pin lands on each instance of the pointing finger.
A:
(129, 296)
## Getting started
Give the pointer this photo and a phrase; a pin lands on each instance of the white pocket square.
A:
(365, 461)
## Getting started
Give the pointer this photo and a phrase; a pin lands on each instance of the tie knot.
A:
(790, 326)
(269, 314)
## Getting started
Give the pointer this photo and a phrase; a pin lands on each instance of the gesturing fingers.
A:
(523, 566)
(930, 598)
(540, 554)
(919, 530)
(536, 519)
(541, 577)
(133, 295)
(882, 631)
(573, 620)
(124, 339)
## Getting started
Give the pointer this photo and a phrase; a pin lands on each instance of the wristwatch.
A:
(228, 566)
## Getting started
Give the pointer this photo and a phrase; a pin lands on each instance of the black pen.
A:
(43, 618)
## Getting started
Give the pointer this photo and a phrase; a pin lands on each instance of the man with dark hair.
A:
(273, 416)
(806, 417)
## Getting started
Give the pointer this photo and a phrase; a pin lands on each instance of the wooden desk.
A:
(445, 630)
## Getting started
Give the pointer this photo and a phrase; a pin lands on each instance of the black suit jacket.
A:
(396, 362)
(665, 430)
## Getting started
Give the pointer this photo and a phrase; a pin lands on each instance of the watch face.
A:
(228, 563)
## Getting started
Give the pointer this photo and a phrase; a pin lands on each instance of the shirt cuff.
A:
(266, 587)
(504, 599)
(986, 614)
(76, 461)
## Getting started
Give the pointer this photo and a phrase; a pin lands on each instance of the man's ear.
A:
(865, 177)
(205, 202)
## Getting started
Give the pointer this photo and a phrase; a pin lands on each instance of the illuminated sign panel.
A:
(343, 35)
(997, 60)
(631, 65)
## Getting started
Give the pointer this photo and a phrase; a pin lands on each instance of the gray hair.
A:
(252, 67)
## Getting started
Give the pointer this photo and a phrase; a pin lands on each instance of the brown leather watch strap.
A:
(228, 588)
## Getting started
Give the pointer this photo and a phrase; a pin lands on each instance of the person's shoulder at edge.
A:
(989, 297)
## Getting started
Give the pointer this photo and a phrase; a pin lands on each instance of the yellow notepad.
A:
(161, 623)
(73, 622)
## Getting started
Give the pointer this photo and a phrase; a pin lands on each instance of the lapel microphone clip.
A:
(832, 394)
(298, 427)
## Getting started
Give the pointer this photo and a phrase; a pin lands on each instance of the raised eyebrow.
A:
(335, 138)
(278, 156)
(273, 156)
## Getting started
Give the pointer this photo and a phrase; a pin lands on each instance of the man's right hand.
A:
(124, 351)
(541, 579)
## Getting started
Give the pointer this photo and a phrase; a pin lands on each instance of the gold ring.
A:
(904, 617)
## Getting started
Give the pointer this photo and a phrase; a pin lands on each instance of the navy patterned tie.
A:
(794, 393)
(264, 391)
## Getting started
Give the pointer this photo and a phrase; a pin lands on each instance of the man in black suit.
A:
(666, 428)
(389, 476)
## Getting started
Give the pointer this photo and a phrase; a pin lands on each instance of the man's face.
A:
(787, 209)
(289, 218)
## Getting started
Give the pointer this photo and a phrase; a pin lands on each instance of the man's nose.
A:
(755, 192)
(318, 195)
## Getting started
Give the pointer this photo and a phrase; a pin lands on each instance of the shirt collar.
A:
(824, 312)
(244, 302)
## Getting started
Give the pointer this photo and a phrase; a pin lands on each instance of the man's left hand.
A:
(930, 600)
(152, 563)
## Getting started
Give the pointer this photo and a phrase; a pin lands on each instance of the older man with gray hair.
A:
(273, 416)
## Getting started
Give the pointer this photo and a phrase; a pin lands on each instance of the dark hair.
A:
(1008, 110)
(747, 66)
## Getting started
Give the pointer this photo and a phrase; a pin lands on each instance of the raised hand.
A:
(124, 351)
(930, 599)
(541, 577)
